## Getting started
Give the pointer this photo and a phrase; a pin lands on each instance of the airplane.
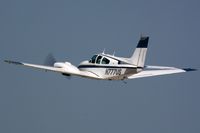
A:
(109, 67)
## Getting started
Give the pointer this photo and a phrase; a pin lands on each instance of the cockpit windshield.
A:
(92, 60)
(98, 59)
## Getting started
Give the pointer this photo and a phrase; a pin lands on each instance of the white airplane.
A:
(109, 67)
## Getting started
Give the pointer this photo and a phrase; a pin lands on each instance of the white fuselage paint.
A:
(108, 71)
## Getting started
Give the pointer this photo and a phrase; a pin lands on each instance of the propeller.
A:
(49, 60)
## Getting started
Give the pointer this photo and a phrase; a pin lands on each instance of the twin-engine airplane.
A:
(109, 67)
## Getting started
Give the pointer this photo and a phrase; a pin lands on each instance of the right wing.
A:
(158, 70)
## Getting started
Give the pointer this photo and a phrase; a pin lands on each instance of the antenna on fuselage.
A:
(104, 51)
(141, 35)
(113, 53)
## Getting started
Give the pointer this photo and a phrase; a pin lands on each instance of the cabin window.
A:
(105, 61)
(92, 60)
(98, 59)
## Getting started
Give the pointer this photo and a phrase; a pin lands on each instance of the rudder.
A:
(139, 55)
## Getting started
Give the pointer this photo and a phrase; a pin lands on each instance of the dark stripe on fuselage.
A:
(95, 66)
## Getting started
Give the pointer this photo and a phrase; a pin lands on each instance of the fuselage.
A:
(109, 67)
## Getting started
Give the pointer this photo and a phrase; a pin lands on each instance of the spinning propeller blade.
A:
(49, 60)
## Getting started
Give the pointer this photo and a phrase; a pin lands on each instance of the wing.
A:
(158, 70)
(66, 69)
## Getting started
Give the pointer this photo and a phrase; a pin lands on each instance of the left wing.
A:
(65, 69)
(159, 70)
(46, 68)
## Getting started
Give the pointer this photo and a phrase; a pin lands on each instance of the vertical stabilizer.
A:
(139, 55)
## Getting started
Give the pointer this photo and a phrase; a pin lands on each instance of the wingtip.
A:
(13, 62)
(189, 69)
(7, 61)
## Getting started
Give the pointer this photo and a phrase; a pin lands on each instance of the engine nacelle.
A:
(59, 64)
(71, 67)
(67, 66)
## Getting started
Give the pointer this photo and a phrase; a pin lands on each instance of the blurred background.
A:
(73, 30)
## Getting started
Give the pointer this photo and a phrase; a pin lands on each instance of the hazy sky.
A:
(33, 101)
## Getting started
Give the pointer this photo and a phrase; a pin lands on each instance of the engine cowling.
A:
(71, 67)
(67, 66)
(59, 65)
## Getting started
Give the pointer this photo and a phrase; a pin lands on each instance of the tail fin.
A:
(139, 55)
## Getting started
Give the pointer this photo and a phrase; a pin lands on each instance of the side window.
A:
(105, 61)
(92, 60)
(98, 59)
